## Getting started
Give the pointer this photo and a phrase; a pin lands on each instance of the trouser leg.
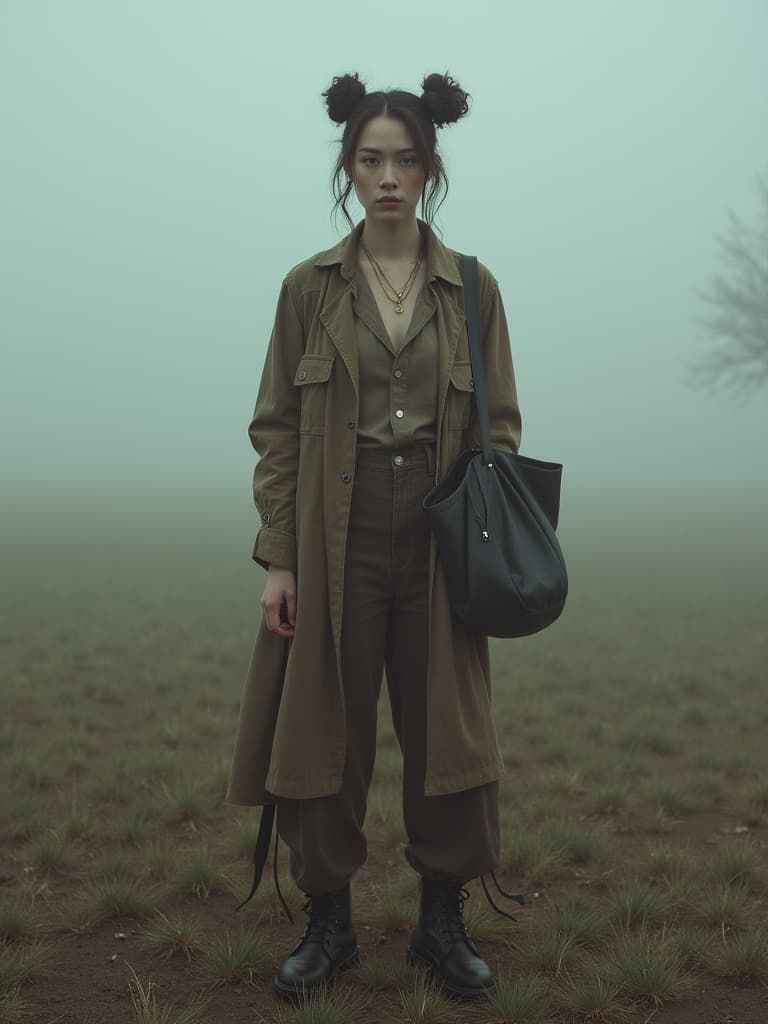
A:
(325, 834)
(454, 835)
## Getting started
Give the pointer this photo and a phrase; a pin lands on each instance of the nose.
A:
(388, 173)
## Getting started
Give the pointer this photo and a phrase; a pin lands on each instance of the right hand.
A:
(279, 601)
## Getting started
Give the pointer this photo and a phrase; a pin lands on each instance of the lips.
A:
(389, 199)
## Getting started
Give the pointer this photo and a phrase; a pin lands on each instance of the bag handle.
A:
(469, 276)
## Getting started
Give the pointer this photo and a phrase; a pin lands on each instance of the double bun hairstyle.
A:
(441, 102)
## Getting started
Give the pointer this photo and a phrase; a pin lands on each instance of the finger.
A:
(291, 605)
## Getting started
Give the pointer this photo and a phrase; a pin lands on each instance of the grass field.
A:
(635, 804)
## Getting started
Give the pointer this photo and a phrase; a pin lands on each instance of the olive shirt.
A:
(398, 389)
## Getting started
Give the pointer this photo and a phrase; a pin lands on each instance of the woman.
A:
(365, 401)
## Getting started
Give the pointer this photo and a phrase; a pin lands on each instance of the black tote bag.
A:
(494, 517)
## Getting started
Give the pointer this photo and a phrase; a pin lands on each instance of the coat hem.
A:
(445, 784)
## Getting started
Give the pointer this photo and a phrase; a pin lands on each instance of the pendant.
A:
(399, 307)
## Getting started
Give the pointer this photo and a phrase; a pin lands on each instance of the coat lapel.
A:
(337, 318)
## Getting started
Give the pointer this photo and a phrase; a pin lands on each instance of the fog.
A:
(164, 165)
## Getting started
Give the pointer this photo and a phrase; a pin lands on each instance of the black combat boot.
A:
(328, 944)
(440, 942)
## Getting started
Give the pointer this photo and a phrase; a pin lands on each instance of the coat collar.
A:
(441, 261)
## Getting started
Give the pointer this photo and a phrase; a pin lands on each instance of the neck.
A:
(392, 241)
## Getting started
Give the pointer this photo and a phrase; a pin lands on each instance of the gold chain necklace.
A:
(385, 283)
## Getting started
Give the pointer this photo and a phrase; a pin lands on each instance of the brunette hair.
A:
(442, 102)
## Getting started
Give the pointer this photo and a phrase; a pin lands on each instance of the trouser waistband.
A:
(408, 456)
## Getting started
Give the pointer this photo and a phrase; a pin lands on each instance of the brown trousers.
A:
(385, 625)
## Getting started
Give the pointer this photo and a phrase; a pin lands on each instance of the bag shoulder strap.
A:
(469, 276)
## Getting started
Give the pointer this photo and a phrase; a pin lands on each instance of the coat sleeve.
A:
(274, 434)
(503, 409)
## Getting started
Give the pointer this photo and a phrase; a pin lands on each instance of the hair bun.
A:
(344, 94)
(444, 99)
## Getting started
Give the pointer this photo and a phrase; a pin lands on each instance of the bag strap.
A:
(469, 276)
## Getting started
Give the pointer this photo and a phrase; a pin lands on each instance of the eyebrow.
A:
(371, 149)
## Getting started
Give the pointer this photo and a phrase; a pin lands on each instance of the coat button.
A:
(346, 477)
(302, 374)
(350, 424)
(398, 460)
(399, 413)
(266, 517)
(398, 374)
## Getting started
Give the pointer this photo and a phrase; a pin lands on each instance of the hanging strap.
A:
(469, 275)
(261, 851)
(260, 854)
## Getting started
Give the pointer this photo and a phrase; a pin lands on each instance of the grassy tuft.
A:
(727, 908)
(158, 859)
(116, 897)
(581, 920)
(328, 1004)
(396, 905)
(736, 862)
(13, 1009)
(521, 1000)
(187, 803)
(594, 994)
(531, 854)
(743, 957)
(695, 948)
(170, 936)
(197, 875)
(551, 952)
(422, 1003)
(16, 921)
(581, 844)
(238, 958)
(610, 798)
(19, 964)
(640, 904)
(485, 924)
(147, 1011)
(374, 974)
(50, 851)
(648, 966)
(670, 865)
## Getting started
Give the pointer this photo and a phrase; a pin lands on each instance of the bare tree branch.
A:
(736, 327)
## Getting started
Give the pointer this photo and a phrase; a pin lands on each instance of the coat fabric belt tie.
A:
(261, 852)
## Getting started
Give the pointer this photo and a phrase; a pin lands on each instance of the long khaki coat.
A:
(291, 734)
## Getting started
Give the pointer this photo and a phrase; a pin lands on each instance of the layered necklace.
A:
(388, 288)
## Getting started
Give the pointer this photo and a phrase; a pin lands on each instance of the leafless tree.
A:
(736, 324)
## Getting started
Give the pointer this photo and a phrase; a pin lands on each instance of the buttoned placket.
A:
(368, 312)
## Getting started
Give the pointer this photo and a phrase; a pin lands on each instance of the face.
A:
(385, 164)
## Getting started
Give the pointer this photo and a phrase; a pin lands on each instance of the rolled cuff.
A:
(274, 546)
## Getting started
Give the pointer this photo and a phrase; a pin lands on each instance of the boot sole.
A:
(415, 959)
(295, 993)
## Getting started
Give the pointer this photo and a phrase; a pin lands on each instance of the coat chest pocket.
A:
(312, 376)
(461, 390)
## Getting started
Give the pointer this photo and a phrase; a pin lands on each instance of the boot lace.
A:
(452, 917)
(320, 920)
(517, 897)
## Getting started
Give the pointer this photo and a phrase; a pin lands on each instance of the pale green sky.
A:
(166, 162)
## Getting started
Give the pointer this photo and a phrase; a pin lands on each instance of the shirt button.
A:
(346, 477)
(398, 460)
(399, 413)
(398, 373)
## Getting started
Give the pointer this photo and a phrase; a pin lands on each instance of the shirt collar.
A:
(441, 261)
